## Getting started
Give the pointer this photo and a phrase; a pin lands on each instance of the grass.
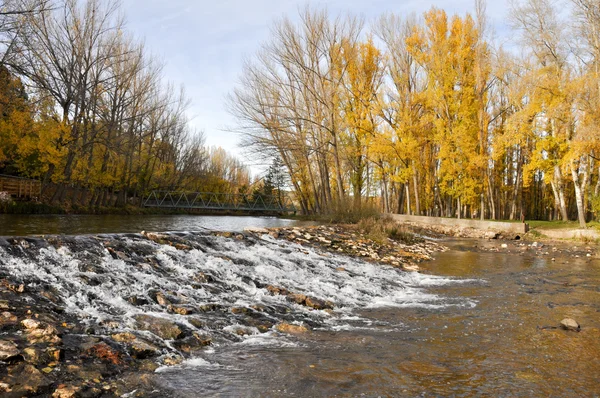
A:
(541, 225)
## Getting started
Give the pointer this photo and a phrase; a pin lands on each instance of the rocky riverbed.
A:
(94, 316)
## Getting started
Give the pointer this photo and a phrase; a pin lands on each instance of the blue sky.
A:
(203, 43)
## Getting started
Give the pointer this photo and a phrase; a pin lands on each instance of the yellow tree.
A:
(448, 50)
(364, 74)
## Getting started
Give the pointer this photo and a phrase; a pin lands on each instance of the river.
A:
(495, 347)
(23, 225)
(471, 323)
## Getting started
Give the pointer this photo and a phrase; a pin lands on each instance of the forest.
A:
(85, 108)
(430, 114)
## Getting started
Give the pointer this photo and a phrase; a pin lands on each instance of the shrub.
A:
(379, 229)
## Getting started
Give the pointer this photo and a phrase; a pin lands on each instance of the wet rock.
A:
(274, 290)
(297, 298)
(106, 353)
(239, 310)
(570, 324)
(25, 379)
(65, 392)
(291, 329)
(197, 323)
(162, 299)
(31, 324)
(138, 301)
(192, 343)
(141, 349)
(181, 310)
(173, 360)
(318, 304)
(8, 319)
(161, 327)
(123, 337)
(202, 277)
(8, 351)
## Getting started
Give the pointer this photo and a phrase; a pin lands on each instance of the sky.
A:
(204, 43)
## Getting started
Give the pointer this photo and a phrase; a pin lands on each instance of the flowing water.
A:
(481, 330)
(471, 324)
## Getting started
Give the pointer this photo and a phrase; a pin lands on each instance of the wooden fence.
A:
(20, 187)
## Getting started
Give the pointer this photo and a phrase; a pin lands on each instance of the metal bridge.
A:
(219, 201)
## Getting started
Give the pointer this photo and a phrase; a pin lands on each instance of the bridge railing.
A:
(218, 201)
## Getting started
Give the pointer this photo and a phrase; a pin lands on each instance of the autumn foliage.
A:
(428, 115)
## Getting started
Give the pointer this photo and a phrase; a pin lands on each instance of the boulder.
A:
(318, 304)
(8, 350)
(141, 349)
(161, 327)
(297, 298)
(65, 392)
(27, 380)
(291, 329)
(570, 324)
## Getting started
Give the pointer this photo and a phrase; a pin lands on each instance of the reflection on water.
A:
(21, 225)
(496, 348)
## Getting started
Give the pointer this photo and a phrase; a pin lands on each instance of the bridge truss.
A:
(218, 201)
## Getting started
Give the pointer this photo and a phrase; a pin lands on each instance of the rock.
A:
(181, 310)
(27, 380)
(8, 350)
(504, 245)
(65, 392)
(31, 324)
(141, 349)
(570, 324)
(106, 353)
(8, 319)
(162, 300)
(161, 327)
(192, 343)
(173, 360)
(291, 329)
(491, 235)
(318, 304)
(297, 298)
(239, 310)
(123, 337)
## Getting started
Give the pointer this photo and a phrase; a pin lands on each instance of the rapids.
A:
(224, 284)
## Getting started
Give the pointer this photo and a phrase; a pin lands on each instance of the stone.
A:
(318, 304)
(8, 350)
(161, 327)
(192, 343)
(570, 324)
(123, 337)
(141, 349)
(181, 310)
(504, 245)
(291, 329)
(8, 319)
(65, 392)
(162, 300)
(27, 380)
(30, 324)
(297, 298)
